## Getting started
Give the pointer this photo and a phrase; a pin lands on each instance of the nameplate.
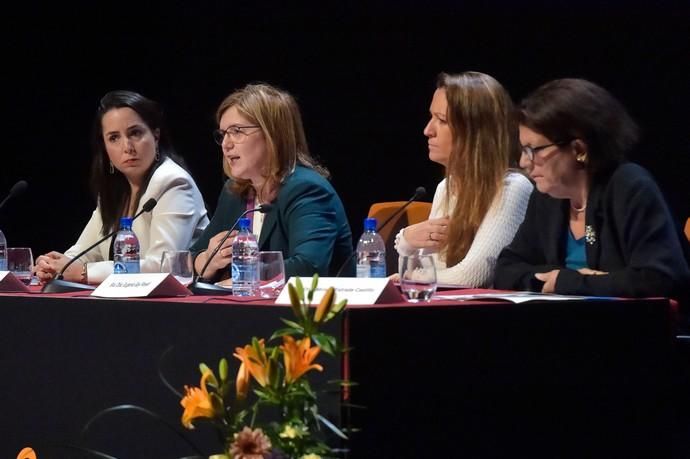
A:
(355, 290)
(10, 283)
(140, 285)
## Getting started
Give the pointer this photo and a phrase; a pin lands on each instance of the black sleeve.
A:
(525, 256)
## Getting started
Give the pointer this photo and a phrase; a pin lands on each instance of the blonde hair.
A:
(278, 115)
(485, 138)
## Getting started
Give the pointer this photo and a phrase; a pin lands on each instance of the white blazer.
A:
(174, 224)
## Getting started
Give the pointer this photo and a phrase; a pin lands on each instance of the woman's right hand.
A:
(429, 234)
(49, 265)
(221, 260)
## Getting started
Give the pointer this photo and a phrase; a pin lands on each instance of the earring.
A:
(112, 168)
(158, 154)
(581, 158)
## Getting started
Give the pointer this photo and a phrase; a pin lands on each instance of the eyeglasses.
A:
(531, 151)
(237, 133)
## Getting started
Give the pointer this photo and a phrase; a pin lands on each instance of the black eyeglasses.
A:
(531, 151)
(236, 132)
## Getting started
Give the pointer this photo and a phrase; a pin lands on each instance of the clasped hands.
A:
(221, 259)
(429, 234)
(49, 265)
(549, 278)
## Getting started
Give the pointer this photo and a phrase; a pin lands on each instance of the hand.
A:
(591, 272)
(395, 278)
(221, 260)
(429, 234)
(549, 280)
(49, 265)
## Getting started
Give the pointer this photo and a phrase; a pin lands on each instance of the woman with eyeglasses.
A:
(267, 161)
(480, 204)
(133, 161)
(596, 225)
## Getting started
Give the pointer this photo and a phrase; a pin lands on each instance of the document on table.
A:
(516, 297)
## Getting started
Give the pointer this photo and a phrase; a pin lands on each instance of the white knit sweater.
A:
(495, 232)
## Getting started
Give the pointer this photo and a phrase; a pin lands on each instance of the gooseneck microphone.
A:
(418, 193)
(58, 285)
(201, 286)
(17, 189)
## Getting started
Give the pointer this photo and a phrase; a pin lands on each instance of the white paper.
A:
(513, 297)
(355, 290)
(140, 285)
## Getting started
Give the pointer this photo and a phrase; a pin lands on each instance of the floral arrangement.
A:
(270, 410)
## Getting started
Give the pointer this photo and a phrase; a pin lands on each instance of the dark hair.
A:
(573, 108)
(112, 189)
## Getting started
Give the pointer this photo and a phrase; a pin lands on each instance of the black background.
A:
(363, 73)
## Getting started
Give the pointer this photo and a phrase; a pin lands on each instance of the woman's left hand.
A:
(591, 272)
(429, 234)
(549, 280)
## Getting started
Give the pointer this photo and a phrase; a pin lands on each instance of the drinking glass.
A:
(271, 273)
(418, 277)
(20, 261)
(179, 264)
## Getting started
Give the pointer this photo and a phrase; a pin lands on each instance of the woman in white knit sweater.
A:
(480, 204)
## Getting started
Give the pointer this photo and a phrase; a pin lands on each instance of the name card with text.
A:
(10, 283)
(355, 290)
(140, 285)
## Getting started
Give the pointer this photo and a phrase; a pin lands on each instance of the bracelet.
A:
(84, 279)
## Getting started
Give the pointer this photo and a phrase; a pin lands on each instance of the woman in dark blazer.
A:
(595, 225)
(266, 158)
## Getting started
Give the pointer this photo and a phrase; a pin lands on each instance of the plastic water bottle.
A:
(3, 252)
(371, 252)
(245, 262)
(126, 249)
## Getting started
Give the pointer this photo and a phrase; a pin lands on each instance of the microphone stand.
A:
(419, 192)
(59, 285)
(200, 286)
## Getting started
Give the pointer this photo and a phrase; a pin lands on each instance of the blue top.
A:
(370, 224)
(244, 223)
(575, 256)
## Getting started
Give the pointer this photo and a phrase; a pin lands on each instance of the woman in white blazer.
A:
(133, 161)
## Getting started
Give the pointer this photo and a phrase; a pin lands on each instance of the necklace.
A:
(578, 209)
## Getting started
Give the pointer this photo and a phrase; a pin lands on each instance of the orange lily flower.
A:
(242, 383)
(298, 357)
(255, 361)
(27, 453)
(197, 403)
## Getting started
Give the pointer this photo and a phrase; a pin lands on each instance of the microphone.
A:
(418, 193)
(58, 285)
(17, 189)
(200, 286)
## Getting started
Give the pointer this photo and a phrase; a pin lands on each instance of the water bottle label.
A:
(363, 270)
(126, 267)
(378, 270)
(3, 264)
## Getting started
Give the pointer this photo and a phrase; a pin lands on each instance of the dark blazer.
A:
(629, 233)
(308, 224)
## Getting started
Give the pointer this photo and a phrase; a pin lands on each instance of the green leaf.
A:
(223, 369)
(314, 281)
(327, 343)
(335, 310)
(282, 332)
(293, 325)
(300, 288)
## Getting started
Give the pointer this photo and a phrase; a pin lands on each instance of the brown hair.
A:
(485, 138)
(278, 115)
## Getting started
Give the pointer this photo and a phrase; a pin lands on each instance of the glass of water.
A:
(418, 277)
(20, 261)
(179, 264)
(271, 273)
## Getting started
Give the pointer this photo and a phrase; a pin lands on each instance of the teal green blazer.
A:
(307, 223)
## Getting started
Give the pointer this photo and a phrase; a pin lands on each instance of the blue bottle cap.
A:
(244, 223)
(125, 222)
(370, 224)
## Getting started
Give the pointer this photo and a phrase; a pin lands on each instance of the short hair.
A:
(573, 108)
(278, 115)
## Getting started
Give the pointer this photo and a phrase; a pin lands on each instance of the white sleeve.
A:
(401, 245)
(174, 222)
(495, 232)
